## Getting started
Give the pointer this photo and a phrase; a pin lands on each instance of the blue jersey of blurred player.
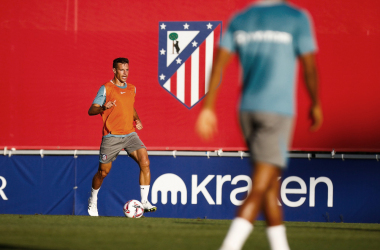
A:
(268, 37)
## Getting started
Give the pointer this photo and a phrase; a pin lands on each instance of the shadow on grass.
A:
(200, 222)
(336, 228)
(5, 246)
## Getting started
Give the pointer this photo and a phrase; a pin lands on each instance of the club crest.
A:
(185, 58)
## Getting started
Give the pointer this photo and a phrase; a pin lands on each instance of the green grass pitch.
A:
(84, 232)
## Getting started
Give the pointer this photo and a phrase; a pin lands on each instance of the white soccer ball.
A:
(133, 209)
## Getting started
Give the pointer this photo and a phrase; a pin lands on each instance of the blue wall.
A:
(343, 190)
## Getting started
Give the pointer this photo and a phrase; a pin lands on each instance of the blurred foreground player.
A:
(268, 37)
(115, 103)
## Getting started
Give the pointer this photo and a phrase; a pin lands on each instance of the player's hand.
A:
(206, 125)
(139, 125)
(109, 105)
(317, 117)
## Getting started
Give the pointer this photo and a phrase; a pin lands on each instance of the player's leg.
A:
(276, 231)
(103, 170)
(109, 150)
(97, 180)
(262, 179)
(267, 136)
(142, 159)
(272, 211)
(241, 227)
(138, 152)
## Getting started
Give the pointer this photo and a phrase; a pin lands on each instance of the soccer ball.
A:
(133, 209)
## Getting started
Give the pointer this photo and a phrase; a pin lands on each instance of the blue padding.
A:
(57, 185)
(347, 190)
(23, 177)
(185, 168)
(355, 190)
(37, 185)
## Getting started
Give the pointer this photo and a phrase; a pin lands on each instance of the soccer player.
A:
(268, 37)
(115, 103)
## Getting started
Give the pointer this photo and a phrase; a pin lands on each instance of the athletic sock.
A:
(238, 233)
(277, 238)
(144, 190)
(94, 194)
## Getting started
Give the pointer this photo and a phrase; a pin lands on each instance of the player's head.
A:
(121, 60)
(121, 68)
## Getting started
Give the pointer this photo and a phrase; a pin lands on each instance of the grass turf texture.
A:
(84, 232)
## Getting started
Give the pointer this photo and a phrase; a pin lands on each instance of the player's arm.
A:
(311, 80)
(96, 109)
(99, 105)
(222, 57)
(206, 125)
(136, 118)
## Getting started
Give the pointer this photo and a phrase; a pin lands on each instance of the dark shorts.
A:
(111, 146)
(268, 136)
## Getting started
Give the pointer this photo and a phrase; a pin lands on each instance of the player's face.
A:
(121, 72)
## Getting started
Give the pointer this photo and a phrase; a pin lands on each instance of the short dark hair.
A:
(119, 60)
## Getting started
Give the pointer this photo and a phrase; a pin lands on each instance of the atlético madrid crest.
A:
(185, 58)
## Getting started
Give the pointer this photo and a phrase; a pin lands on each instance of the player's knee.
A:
(103, 173)
(258, 191)
(144, 163)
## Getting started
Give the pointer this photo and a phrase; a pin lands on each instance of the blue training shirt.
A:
(268, 37)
